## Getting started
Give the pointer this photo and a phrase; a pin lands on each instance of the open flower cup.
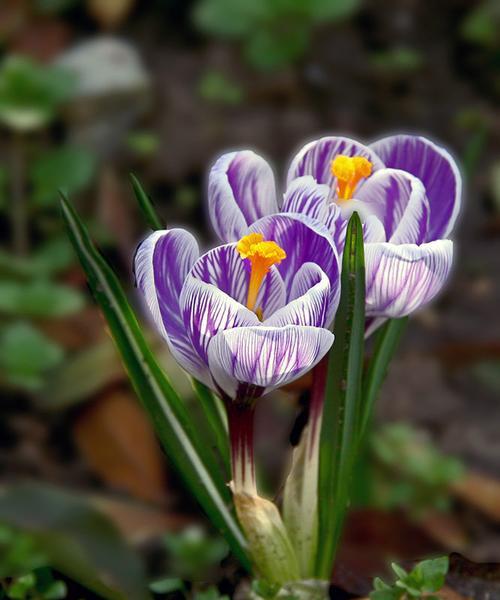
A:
(255, 313)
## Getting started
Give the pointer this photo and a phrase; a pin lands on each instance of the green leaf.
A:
(192, 554)
(167, 585)
(386, 344)
(328, 10)
(78, 541)
(26, 354)
(270, 49)
(432, 573)
(343, 398)
(31, 93)
(68, 169)
(143, 143)
(215, 415)
(194, 462)
(146, 205)
(212, 593)
(400, 572)
(214, 86)
(230, 18)
(39, 298)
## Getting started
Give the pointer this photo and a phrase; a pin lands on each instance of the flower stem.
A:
(241, 432)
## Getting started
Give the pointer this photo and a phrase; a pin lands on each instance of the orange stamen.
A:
(349, 171)
(262, 256)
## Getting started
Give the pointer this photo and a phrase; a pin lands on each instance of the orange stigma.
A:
(262, 256)
(348, 171)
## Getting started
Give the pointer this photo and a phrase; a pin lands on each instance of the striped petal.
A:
(161, 265)
(241, 189)
(437, 170)
(316, 157)
(399, 201)
(402, 278)
(264, 357)
(224, 268)
(306, 197)
(207, 310)
(309, 300)
(304, 240)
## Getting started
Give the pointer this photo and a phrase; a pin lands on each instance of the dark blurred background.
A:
(91, 91)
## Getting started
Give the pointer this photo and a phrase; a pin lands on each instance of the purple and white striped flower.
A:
(406, 189)
(244, 317)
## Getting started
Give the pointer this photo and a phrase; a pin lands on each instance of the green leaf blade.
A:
(195, 463)
(146, 205)
(341, 411)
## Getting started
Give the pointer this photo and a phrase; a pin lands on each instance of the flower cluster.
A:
(255, 313)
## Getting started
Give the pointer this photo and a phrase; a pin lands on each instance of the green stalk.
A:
(342, 403)
(386, 344)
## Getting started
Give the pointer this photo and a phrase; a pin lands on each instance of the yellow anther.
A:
(349, 171)
(262, 256)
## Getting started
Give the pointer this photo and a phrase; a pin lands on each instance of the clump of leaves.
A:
(422, 582)
(192, 557)
(30, 94)
(410, 472)
(193, 554)
(23, 574)
(481, 24)
(274, 33)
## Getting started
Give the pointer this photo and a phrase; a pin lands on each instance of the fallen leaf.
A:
(445, 529)
(480, 491)
(118, 442)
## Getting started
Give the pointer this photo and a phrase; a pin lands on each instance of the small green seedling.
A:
(421, 583)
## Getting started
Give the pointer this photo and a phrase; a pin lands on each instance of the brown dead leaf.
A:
(117, 440)
(481, 492)
(445, 529)
(109, 14)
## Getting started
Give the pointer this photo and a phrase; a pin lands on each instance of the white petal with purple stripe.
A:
(241, 189)
(309, 300)
(266, 357)
(316, 157)
(399, 201)
(207, 310)
(161, 264)
(402, 278)
(437, 170)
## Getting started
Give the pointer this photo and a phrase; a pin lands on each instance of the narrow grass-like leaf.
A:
(194, 462)
(146, 205)
(212, 409)
(214, 412)
(386, 344)
(343, 397)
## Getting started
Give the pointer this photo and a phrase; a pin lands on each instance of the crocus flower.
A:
(244, 317)
(406, 189)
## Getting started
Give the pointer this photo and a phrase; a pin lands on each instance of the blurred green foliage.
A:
(217, 87)
(23, 571)
(68, 169)
(30, 94)
(193, 558)
(26, 355)
(482, 24)
(423, 581)
(274, 33)
(193, 554)
(74, 539)
(409, 472)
